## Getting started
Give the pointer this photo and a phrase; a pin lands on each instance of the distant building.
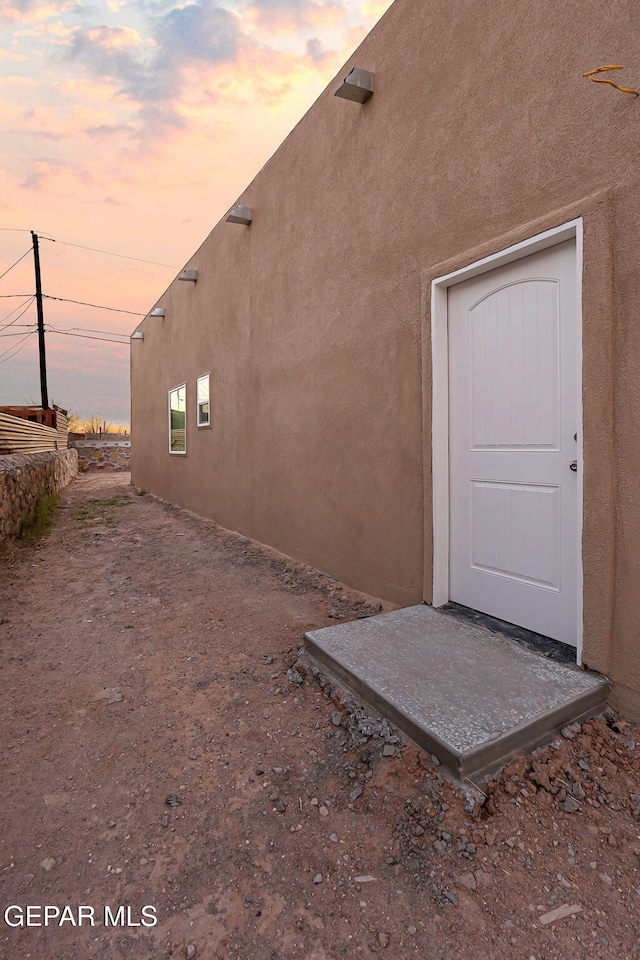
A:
(47, 416)
(31, 429)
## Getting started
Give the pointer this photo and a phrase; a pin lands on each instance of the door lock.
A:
(574, 466)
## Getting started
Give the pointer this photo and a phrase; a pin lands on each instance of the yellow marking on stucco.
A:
(612, 83)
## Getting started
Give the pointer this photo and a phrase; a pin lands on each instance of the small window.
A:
(203, 401)
(178, 419)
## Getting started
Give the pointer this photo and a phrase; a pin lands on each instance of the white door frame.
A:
(440, 407)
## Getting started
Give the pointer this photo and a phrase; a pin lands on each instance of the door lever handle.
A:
(574, 466)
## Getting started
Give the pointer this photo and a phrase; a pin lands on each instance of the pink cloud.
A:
(287, 16)
(113, 38)
(315, 51)
(7, 55)
(374, 9)
(56, 32)
(32, 11)
(56, 177)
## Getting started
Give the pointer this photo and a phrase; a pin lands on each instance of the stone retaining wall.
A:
(26, 476)
(102, 454)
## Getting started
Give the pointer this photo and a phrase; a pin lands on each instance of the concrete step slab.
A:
(470, 697)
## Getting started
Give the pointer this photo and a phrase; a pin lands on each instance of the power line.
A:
(15, 264)
(107, 333)
(15, 309)
(82, 303)
(15, 319)
(19, 346)
(81, 246)
(85, 336)
(96, 305)
(29, 326)
(109, 253)
(16, 352)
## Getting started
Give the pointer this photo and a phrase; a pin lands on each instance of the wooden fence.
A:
(23, 436)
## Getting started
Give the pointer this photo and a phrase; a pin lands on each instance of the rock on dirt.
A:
(566, 910)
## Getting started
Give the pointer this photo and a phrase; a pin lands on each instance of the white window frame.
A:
(173, 390)
(199, 422)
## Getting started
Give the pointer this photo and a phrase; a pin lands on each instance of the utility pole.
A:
(43, 359)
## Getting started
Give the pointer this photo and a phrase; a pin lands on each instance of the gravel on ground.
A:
(165, 752)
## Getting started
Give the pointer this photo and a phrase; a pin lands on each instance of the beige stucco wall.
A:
(314, 322)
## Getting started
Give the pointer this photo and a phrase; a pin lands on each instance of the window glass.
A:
(178, 419)
(203, 400)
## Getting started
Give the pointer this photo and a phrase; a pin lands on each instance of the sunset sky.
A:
(131, 127)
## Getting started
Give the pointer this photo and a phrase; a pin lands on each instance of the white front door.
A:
(513, 418)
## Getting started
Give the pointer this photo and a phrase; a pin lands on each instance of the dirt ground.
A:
(145, 657)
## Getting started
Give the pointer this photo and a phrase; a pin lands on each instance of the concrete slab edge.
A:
(525, 738)
(428, 741)
(476, 763)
